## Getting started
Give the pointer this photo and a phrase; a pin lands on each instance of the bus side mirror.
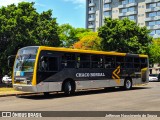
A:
(11, 61)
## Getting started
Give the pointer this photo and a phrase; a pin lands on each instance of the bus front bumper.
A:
(25, 88)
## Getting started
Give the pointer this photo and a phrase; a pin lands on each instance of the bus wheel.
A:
(128, 84)
(68, 88)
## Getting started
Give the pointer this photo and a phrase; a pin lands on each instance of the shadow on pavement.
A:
(154, 81)
(54, 95)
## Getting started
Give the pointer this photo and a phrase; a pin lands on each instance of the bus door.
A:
(48, 66)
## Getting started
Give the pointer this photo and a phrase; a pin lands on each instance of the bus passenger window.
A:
(129, 65)
(84, 65)
(143, 66)
(129, 59)
(70, 64)
(129, 62)
(49, 64)
(97, 61)
(136, 60)
(136, 65)
(109, 62)
(52, 64)
(68, 60)
(84, 61)
(120, 59)
(143, 60)
(143, 63)
(64, 64)
(120, 62)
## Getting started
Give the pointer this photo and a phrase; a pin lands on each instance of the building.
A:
(155, 69)
(143, 12)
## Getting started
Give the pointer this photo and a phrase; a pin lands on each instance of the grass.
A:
(5, 89)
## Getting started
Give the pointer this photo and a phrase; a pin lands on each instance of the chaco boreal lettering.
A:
(90, 75)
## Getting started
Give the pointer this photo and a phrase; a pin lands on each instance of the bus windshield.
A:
(25, 65)
(25, 61)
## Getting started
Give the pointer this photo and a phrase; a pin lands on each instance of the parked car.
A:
(159, 77)
(153, 77)
(7, 80)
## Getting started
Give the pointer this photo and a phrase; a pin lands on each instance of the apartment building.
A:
(143, 12)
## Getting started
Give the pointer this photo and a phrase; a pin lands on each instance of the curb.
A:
(15, 94)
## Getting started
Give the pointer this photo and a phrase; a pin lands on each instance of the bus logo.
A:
(115, 75)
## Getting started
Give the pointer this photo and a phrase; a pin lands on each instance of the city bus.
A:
(42, 69)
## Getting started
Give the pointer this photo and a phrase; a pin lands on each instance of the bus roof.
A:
(89, 51)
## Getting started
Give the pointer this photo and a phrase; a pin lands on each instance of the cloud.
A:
(76, 1)
(8, 2)
(79, 3)
(39, 4)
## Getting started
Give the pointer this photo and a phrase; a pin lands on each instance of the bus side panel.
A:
(82, 82)
(25, 88)
(54, 82)
(55, 86)
(43, 87)
(115, 83)
(136, 81)
(92, 84)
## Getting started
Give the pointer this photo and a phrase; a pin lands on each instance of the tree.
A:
(154, 51)
(47, 30)
(69, 35)
(124, 36)
(65, 35)
(88, 41)
(156, 41)
(21, 26)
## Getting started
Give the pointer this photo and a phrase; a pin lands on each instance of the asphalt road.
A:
(141, 98)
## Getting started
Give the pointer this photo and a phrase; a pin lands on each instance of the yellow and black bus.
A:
(49, 69)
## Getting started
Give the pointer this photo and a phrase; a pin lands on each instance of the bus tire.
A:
(128, 84)
(68, 88)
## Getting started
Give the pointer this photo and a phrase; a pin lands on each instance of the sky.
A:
(66, 11)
